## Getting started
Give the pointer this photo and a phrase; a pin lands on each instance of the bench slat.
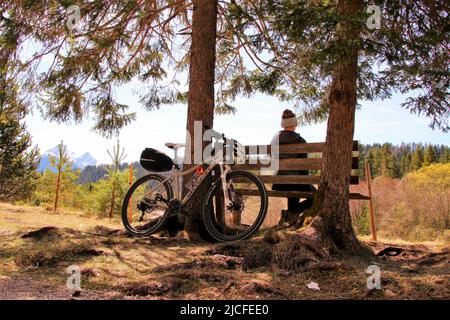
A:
(294, 194)
(291, 164)
(309, 179)
(291, 148)
(285, 164)
(292, 179)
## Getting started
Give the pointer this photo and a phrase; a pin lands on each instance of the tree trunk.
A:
(333, 226)
(58, 186)
(113, 199)
(200, 99)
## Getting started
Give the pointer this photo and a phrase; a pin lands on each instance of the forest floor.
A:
(37, 247)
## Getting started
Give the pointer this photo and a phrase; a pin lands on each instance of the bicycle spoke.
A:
(244, 215)
(147, 206)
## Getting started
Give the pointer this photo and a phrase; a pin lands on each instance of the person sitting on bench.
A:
(289, 136)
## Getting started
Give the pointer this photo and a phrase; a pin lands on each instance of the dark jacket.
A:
(290, 137)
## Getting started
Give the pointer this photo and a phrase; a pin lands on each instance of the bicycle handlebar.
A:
(219, 135)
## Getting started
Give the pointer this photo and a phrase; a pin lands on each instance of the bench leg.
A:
(371, 210)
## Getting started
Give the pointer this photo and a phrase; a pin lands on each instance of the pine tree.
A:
(18, 161)
(322, 57)
(117, 156)
(60, 162)
(320, 54)
(445, 155)
(362, 158)
(437, 153)
(417, 158)
(377, 160)
(389, 164)
(405, 164)
(96, 197)
(429, 156)
(99, 53)
(201, 102)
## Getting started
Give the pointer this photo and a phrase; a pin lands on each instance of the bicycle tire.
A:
(142, 233)
(208, 218)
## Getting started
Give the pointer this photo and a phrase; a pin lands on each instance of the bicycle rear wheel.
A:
(145, 207)
(246, 213)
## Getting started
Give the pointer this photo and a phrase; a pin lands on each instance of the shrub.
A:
(361, 221)
(416, 208)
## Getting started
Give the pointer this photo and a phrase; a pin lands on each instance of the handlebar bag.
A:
(156, 161)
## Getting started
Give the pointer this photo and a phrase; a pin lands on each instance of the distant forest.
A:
(91, 174)
(396, 161)
(393, 161)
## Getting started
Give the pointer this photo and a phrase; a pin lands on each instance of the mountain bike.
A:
(229, 214)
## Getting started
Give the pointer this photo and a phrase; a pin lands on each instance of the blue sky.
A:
(255, 122)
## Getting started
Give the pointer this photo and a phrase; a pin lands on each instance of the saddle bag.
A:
(156, 161)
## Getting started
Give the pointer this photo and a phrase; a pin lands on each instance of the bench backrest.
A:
(313, 163)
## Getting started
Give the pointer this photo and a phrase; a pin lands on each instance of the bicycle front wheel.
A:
(145, 207)
(246, 211)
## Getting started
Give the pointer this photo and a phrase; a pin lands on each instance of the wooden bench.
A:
(261, 154)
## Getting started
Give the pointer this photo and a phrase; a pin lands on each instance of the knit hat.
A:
(288, 119)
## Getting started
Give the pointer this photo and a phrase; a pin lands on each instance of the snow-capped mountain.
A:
(85, 160)
(79, 162)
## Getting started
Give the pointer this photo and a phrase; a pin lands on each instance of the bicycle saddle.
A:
(172, 145)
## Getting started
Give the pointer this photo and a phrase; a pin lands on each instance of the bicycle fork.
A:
(229, 202)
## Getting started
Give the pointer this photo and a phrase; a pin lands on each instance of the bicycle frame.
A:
(177, 174)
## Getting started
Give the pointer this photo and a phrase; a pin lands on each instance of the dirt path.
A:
(26, 288)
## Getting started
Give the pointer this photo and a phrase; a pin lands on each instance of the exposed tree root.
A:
(50, 233)
(105, 231)
(390, 251)
(310, 243)
(257, 259)
(299, 251)
(45, 232)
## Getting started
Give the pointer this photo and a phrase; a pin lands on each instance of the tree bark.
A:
(113, 199)
(332, 226)
(58, 186)
(200, 99)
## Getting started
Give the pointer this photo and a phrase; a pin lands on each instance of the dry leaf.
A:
(313, 286)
